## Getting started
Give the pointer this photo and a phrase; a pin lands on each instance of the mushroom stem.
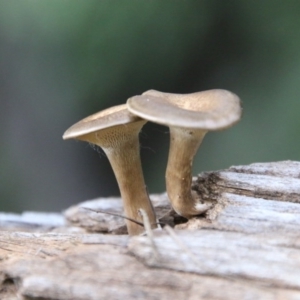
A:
(128, 172)
(123, 152)
(184, 143)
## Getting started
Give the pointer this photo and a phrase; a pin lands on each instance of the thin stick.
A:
(149, 232)
(146, 223)
(114, 214)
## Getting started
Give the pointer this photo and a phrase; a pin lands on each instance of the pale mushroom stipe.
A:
(116, 131)
(189, 117)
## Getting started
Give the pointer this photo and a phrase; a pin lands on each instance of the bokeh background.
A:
(61, 61)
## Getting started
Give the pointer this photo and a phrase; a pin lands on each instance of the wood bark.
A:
(247, 246)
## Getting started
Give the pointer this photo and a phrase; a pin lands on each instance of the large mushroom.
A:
(116, 131)
(189, 117)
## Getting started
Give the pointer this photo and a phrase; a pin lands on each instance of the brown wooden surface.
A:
(247, 246)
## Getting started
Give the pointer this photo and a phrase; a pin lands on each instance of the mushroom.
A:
(116, 131)
(189, 117)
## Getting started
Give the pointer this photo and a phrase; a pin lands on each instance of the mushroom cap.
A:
(208, 110)
(113, 116)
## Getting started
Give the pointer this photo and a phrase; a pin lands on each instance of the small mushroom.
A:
(189, 117)
(116, 131)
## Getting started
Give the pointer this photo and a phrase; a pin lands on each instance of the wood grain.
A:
(246, 247)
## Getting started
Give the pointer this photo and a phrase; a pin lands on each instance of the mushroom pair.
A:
(189, 117)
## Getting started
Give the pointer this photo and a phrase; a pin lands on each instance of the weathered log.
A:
(247, 246)
(103, 214)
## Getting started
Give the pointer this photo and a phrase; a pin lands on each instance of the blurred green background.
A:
(61, 61)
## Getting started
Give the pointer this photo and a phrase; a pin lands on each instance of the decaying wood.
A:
(82, 216)
(247, 246)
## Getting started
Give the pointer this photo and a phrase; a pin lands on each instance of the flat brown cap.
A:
(208, 110)
(113, 116)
